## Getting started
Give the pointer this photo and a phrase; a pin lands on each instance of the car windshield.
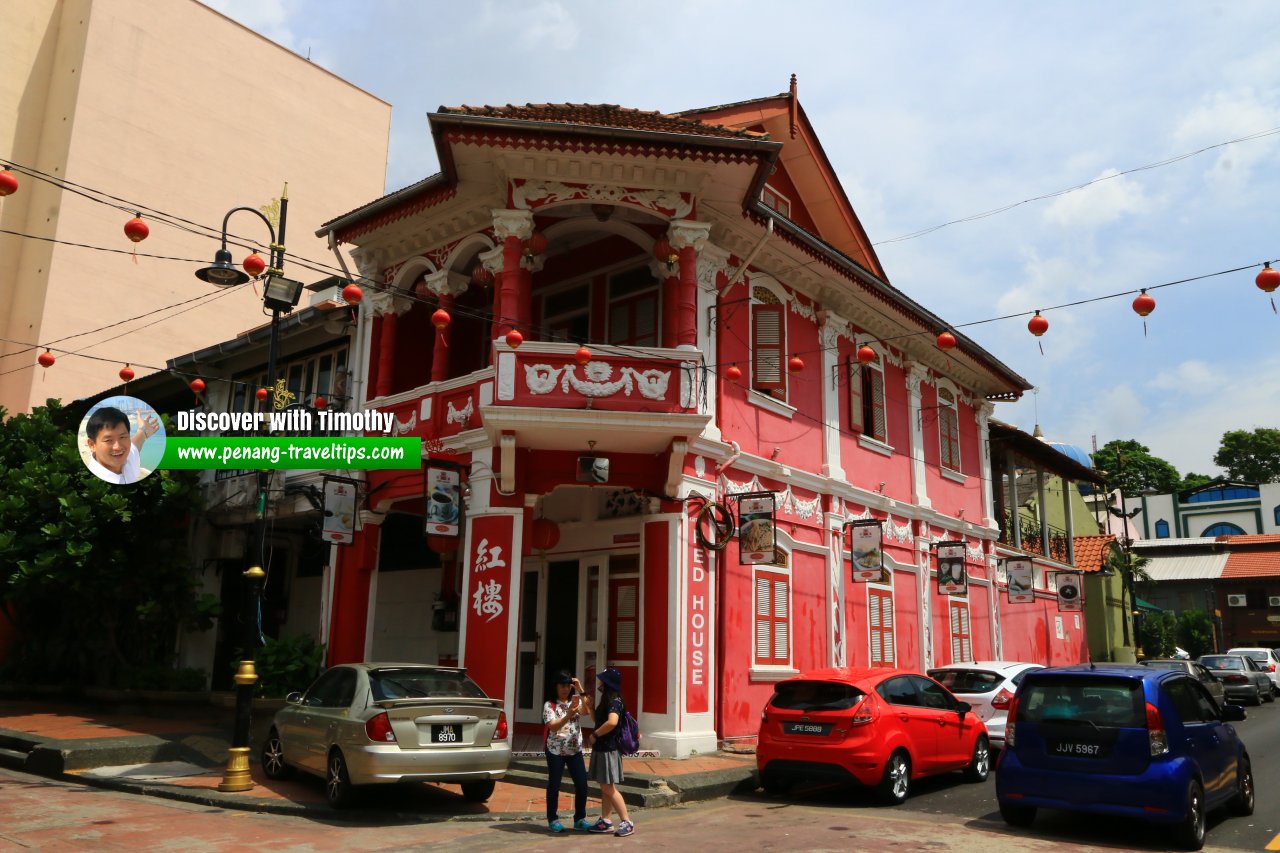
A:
(966, 680)
(402, 683)
(1164, 664)
(1260, 655)
(1102, 701)
(1222, 662)
(816, 696)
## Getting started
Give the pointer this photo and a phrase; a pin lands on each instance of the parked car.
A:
(1266, 659)
(1198, 671)
(878, 727)
(1240, 677)
(987, 685)
(377, 723)
(1123, 739)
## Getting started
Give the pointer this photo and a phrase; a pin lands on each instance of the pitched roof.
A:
(1252, 564)
(1250, 539)
(1186, 567)
(1092, 551)
(605, 115)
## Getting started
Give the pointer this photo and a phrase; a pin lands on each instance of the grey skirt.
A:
(606, 767)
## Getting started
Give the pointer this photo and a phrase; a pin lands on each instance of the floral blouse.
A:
(566, 740)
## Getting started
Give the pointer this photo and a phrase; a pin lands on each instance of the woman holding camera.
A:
(564, 749)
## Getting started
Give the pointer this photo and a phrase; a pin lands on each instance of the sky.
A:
(932, 112)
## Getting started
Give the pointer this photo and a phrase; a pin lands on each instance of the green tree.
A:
(1195, 632)
(1129, 466)
(1159, 633)
(1190, 480)
(1250, 456)
(95, 576)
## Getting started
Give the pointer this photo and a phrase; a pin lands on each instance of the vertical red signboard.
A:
(489, 601)
(697, 664)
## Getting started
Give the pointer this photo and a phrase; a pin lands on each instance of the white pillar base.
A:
(680, 744)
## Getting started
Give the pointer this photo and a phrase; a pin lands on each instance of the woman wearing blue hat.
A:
(606, 754)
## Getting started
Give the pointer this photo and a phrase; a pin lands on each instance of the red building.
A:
(690, 293)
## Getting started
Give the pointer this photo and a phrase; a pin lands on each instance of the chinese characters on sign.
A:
(865, 541)
(1021, 581)
(339, 510)
(487, 599)
(1070, 593)
(756, 528)
(952, 578)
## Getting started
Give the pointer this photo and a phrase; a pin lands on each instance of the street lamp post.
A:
(280, 295)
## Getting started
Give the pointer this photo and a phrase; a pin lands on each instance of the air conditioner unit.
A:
(1235, 601)
(1273, 600)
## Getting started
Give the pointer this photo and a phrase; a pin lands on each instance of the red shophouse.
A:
(690, 291)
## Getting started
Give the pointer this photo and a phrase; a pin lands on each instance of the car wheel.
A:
(1268, 696)
(338, 789)
(273, 758)
(1017, 815)
(478, 792)
(980, 767)
(1257, 697)
(1242, 803)
(774, 784)
(896, 783)
(1189, 835)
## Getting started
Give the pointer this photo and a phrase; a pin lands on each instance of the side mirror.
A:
(1232, 713)
(294, 698)
(963, 708)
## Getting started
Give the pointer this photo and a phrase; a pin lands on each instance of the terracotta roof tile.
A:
(1092, 551)
(1250, 539)
(605, 115)
(1252, 564)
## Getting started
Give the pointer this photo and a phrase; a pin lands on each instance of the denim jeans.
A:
(555, 772)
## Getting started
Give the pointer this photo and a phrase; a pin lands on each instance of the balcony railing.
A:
(1031, 541)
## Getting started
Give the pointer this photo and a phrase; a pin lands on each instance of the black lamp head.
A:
(222, 272)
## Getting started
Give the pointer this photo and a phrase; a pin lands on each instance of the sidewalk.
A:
(181, 754)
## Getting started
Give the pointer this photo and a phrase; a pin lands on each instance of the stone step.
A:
(13, 759)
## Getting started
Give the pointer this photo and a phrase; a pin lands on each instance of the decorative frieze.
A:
(534, 193)
(597, 380)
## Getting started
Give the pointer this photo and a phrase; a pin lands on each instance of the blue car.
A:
(1119, 739)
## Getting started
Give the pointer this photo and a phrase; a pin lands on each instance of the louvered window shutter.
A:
(763, 638)
(855, 396)
(781, 648)
(768, 342)
(875, 392)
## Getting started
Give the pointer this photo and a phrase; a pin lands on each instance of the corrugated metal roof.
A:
(1186, 567)
(1173, 543)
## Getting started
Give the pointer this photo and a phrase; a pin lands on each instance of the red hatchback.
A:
(879, 727)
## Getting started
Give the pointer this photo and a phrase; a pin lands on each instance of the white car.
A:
(988, 686)
(1268, 660)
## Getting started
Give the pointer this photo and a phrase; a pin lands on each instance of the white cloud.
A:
(1189, 376)
(1224, 116)
(1099, 204)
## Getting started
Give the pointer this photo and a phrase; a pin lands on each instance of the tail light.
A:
(1003, 700)
(1271, 668)
(500, 731)
(1010, 739)
(864, 712)
(379, 729)
(1156, 737)
(1235, 679)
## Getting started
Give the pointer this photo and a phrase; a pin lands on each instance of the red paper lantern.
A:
(254, 265)
(352, 294)
(663, 251)
(1268, 280)
(136, 230)
(482, 275)
(536, 244)
(514, 339)
(795, 364)
(197, 385)
(321, 403)
(440, 319)
(126, 373)
(46, 359)
(261, 394)
(8, 183)
(1037, 325)
(1144, 304)
(946, 341)
(733, 373)
(866, 355)
(544, 535)
(582, 356)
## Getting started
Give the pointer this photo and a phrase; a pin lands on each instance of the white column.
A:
(829, 334)
(712, 261)
(919, 486)
(985, 411)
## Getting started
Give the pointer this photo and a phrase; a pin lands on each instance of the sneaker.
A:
(556, 826)
(601, 825)
(584, 824)
(625, 829)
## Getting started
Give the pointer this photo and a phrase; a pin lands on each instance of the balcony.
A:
(1029, 530)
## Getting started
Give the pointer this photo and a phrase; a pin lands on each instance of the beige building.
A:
(172, 106)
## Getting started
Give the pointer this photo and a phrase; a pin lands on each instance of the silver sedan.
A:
(377, 723)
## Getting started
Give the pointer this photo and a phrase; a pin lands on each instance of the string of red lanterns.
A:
(8, 183)
(46, 359)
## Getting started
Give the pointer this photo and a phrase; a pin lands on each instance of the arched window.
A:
(1276, 511)
(1223, 528)
(1162, 529)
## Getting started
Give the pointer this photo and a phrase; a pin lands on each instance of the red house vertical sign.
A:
(489, 602)
(697, 665)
